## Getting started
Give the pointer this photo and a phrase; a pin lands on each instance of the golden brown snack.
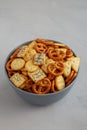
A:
(70, 78)
(75, 63)
(17, 79)
(59, 82)
(37, 75)
(42, 87)
(39, 59)
(30, 55)
(45, 65)
(31, 45)
(30, 67)
(67, 68)
(24, 49)
(17, 64)
(40, 48)
(8, 65)
(42, 66)
(56, 69)
(53, 86)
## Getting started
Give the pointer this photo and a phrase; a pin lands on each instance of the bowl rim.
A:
(34, 94)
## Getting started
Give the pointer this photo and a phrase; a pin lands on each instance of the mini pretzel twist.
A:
(53, 87)
(46, 42)
(28, 85)
(42, 87)
(56, 69)
(8, 65)
(70, 78)
(53, 54)
(69, 53)
(15, 53)
(40, 48)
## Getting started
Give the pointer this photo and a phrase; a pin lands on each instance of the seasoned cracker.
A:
(30, 54)
(23, 51)
(17, 79)
(39, 59)
(37, 75)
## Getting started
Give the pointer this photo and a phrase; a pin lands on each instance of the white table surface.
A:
(62, 20)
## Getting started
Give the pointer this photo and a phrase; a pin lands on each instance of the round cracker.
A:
(30, 66)
(17, 64)
(59, 82)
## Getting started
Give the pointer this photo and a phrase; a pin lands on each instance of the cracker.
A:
(62, 49)
(30, 66)
(67, 68)
(30, 54)
(75, 63)
(37, 75)
(39, 59)
(59, 82)
(17, 64)
(31, 45)
(60, 45)
(23, 51)
(17, 79)
(44, 66)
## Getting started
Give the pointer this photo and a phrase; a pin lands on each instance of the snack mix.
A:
(42, 66)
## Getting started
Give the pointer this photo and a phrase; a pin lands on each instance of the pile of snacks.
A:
(42, 66)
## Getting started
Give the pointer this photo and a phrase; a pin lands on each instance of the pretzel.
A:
(70, 78)
(24, 71)
(49, 48)
(10, 73)
(69, 53)
(42, 87)
(56, 69)
(8, 65)
(50, 76)
(53, 54)
(62, 54)
(28, 85)
(40, 48)
(53, 87)
(46, 42)
(15, 53)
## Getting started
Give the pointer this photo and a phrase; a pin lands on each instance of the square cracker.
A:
(75, 63)
(37, 75)
(39, 59)
(17, 79)
(23, 51)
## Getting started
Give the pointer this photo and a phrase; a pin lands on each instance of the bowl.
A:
(39, 99)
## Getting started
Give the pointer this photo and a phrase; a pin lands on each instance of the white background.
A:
(61, 20)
